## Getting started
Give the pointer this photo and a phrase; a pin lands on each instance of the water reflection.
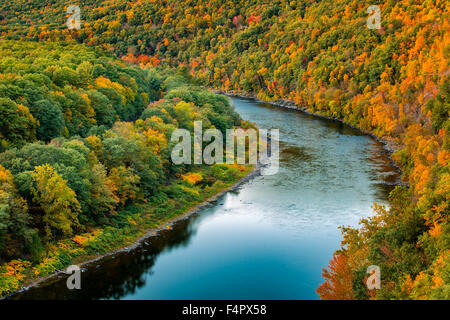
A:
(119, 275)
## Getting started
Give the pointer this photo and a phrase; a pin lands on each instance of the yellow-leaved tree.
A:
(57, 201)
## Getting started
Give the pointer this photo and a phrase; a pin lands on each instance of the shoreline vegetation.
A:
(249, 174)
(86, 261)
(94, 171)
(388, 146)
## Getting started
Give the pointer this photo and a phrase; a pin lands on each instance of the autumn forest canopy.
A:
(86, 117)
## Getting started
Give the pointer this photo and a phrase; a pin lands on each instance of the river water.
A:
(268, 240)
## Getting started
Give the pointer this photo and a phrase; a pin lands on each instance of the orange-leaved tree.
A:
(338, 284)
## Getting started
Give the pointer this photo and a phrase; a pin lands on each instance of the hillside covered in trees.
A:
(392, 81)
(86, 144)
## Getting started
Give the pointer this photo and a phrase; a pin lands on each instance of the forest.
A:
(392, 82)
(86, 145)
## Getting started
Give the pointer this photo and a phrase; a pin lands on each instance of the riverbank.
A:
(85, 262)
(142, 238)
(388, 146)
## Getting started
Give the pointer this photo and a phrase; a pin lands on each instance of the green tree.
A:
(58, 202)
(51, 120)
(17, 125)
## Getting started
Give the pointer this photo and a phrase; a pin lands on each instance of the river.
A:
(269, 239)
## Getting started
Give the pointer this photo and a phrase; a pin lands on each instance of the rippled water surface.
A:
(268, 240)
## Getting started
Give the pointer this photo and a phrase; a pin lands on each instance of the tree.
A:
(102, 200)
(125, 182)
(17, 125)
(51, 120)
(15, 230)
(57, 201)
(338, 283)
